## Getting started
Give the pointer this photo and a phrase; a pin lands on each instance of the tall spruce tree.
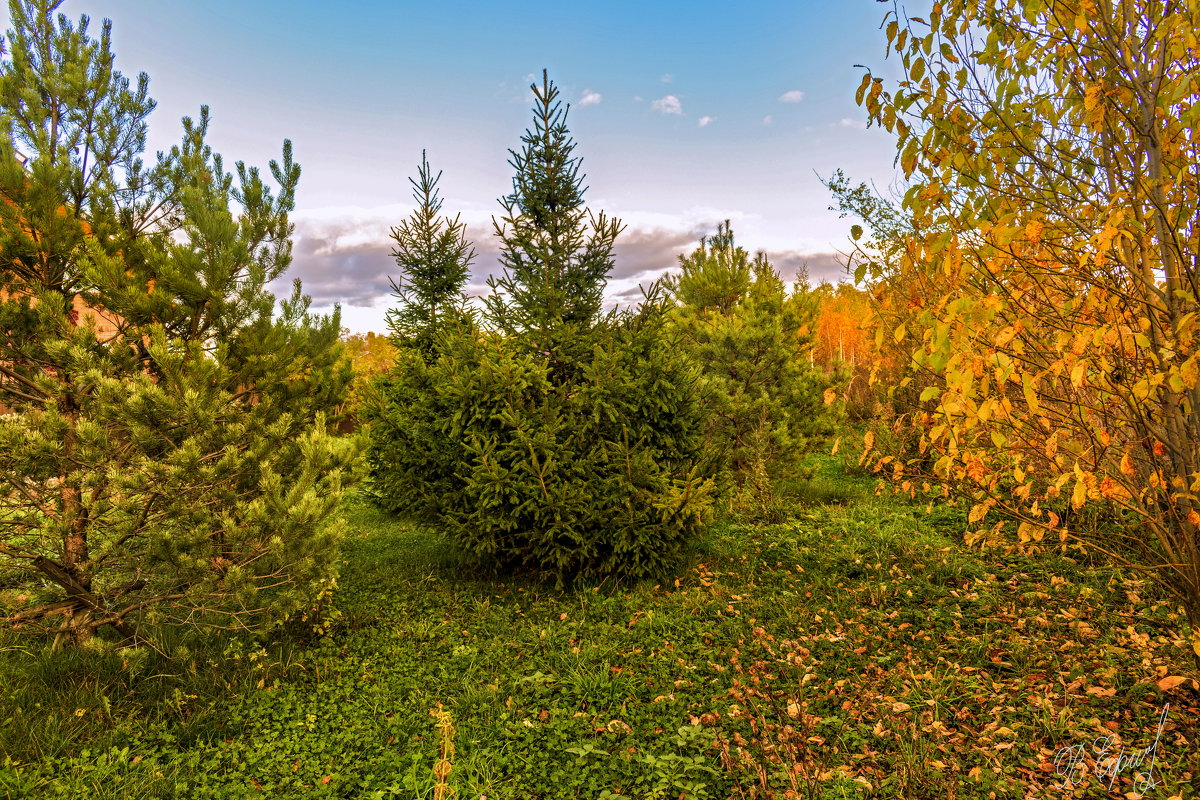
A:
(556, 254)
(434, 259)
(750, 337)
(561, 439)
(165, 459)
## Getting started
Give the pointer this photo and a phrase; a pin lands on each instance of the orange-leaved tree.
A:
(370, 355)
(841, 342)
(1050, 150)
(895, 292)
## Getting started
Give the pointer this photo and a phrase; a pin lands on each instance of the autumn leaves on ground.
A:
(857, 650)
(934, 534)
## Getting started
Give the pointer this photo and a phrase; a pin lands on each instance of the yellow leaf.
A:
(1052, 446)
(1079, 494)
(862, 88)
(1189, 372)
(1030, 395)
(898, 707)
(830, 396)
(1104, 239)
(1077, 373)
(868, 442)
(836, 443)
(1033, 230)
(1196, 642)
(977, 513)
(1005, 235)
(1127, 465)
(1027, 532)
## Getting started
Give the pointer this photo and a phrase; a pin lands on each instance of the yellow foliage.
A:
(1047, 297)
(1033, 230)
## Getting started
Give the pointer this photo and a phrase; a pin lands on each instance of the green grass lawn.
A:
(857, 650)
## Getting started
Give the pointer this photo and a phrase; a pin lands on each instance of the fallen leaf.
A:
(1169, 683)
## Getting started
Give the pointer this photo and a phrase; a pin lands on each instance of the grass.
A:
(856, 650)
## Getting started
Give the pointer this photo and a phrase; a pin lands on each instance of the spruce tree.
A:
(165, 459)
(558, 439)
(750, 337)
(556, 254)
(434, 259)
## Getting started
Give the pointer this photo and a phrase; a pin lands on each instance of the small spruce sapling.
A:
(434, 258)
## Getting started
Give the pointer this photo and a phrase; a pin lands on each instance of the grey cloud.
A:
(352, 276)
(820, 266)
(641, 253)
(349, 261)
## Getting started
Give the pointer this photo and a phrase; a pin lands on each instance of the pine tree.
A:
(562, 440)
(434, 258)
(165, 460)
(751, 338)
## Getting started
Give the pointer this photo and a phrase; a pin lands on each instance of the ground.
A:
(857, 650)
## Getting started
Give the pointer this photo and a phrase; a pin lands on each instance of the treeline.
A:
(172, 448)
(1022, 341)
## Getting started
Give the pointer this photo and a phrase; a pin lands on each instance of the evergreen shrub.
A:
(545, 434)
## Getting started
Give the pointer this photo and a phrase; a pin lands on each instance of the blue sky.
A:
(684, 113)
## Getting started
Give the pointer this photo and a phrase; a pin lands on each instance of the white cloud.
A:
(668, 105)
(704, 121)
(794, 96)
(590, 98)
(667, 78)
(847, 122)
(767, 120)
